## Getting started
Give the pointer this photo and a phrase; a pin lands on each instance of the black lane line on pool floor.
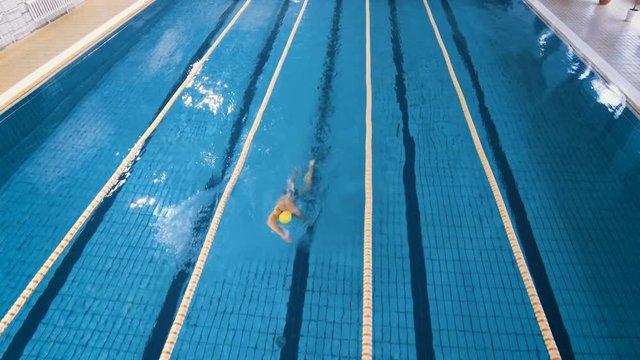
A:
(41, 307)
(319, 152)
(514, 199)
(165, 317)
(421, 316)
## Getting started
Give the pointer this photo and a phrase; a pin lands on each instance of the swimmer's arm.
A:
(272, 223)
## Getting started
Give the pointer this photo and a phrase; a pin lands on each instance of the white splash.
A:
(187, 99)
(176, 222)
(209, 158)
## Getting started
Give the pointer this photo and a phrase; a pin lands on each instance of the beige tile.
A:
(21, 60)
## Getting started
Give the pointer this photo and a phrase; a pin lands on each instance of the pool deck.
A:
(32, 60)
(601, 36)
(598, 33)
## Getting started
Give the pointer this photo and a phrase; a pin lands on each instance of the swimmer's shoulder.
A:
(282, 200)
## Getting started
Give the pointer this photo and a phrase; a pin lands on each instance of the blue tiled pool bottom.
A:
(560, 140)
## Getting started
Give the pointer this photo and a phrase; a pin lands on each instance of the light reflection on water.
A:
(610, 96)
(142, 201)
(543, 39)
(167, 53)
(606, 94)
(207, 97)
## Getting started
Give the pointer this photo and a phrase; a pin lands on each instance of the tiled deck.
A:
(30, 61)
(600, 34)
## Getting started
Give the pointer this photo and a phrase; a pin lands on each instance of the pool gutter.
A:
(587, 54)
(32, 81)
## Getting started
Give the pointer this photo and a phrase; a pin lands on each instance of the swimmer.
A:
(285, 206)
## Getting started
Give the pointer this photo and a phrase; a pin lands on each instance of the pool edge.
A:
(587, 54)
(35, 79)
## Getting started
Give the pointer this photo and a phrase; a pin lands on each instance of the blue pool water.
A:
(561, 142)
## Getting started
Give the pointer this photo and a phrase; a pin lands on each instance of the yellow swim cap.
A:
(285, 217)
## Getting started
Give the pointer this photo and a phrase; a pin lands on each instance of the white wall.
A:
(16, 22)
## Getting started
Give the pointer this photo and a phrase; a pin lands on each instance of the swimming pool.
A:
(287, 83)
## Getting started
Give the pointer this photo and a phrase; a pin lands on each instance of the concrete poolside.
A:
(33, 59)
(598, 33)
(601, 36)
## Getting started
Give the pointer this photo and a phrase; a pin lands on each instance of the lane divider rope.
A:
(113, 182)
(213, 227)
(367, 268)
(541, 317)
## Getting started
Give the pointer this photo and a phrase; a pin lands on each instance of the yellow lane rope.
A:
(111, 183)
(506, 220)
(213, 227)
(367, 269)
